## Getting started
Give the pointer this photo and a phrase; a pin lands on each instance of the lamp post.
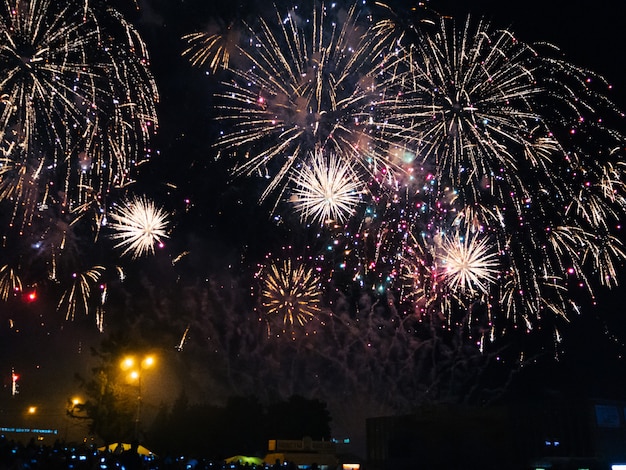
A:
(135, 368)
(71, 409)
(31, 418)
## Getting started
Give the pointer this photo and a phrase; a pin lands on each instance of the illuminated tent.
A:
(244, 460)
(141, 450)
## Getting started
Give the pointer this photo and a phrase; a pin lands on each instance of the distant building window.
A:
(607, 416)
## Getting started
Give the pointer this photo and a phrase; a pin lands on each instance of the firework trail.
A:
(79, 293)
(213, 48)
(376, 354)
(10, 283)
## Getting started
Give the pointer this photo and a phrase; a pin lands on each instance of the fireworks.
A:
(300, 85)
(10, 283)
(212, 48)
(78, 103)
(327, 189)
(499, 123)
(138, 225)
(457, 164)
(455, 182)
(469, 264)
(493, 118)
(79, 293)
(77, 114)
(469, 105)
(291, 292)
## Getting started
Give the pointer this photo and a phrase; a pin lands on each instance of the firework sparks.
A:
(138, 225)
(67, 91)
(476, 112)
(291, 292)
(470, 108)
(10, 282)
(326, 190)
(469, 264)
(77, 114)
(212, 48)
(424, 288)
(79, 293)
(302, 85)
(508, 128)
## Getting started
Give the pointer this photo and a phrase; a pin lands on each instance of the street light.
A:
(135, 368)
(72, 409)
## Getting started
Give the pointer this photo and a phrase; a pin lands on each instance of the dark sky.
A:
(225, 217)
(590, 34)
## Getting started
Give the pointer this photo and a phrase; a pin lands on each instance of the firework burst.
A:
(291, 292)
(78, 103)
(326, 189)
(138, 225)
(508, 128)
(471, 95)
(214, 47)
(302, 85)
(469, 264)
(77, 114)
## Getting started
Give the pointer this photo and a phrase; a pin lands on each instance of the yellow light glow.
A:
(127, 363)
(148, 361)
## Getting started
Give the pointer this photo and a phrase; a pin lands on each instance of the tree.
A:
(111, 404)
(243, 426)
(245, 429)
(299, 417)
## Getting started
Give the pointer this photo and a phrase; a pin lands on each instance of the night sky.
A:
(202, 279)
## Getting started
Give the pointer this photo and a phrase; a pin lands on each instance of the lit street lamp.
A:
(135, 369)
(72, 409)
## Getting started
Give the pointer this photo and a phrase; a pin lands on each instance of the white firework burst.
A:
(470, 265)
(327, 189)
(138, 225)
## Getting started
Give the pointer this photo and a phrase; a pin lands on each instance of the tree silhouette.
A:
(111, 404)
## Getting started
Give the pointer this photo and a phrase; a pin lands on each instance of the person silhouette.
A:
(130, 458)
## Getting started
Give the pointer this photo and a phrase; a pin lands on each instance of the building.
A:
(542, 434)
(304, 453)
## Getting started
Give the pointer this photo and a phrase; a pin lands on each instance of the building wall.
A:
(439, 438)
(512, 436)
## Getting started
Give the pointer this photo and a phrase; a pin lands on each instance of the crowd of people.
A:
(33, 455)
